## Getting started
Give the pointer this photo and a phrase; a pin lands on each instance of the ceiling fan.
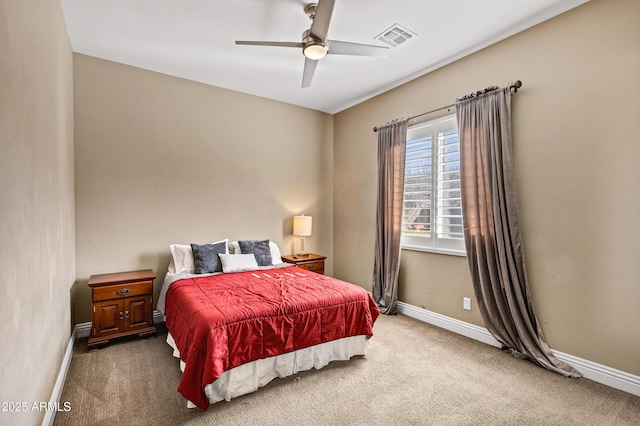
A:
(315, 44)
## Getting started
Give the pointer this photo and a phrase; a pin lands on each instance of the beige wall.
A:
(577, 150)
(37, 262)
(161, 160)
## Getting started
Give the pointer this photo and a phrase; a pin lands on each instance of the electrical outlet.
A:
(466, 303)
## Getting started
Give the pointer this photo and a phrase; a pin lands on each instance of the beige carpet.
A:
(413, 374)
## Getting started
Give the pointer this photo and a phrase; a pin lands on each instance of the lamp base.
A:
(302, 252)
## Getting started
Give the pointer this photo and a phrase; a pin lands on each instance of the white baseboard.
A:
(617, 379)
(79, 331)
(460, 327)
(593, 371)
(82, 330)
(62, 377)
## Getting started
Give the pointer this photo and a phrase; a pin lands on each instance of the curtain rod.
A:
(515, 86)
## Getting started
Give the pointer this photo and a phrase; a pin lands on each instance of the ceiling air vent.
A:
(395, 35)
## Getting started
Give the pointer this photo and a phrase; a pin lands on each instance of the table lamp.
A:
(302, 228)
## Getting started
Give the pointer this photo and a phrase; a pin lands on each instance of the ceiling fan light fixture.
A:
(315, 50)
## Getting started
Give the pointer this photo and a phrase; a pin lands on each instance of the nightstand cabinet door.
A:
(138, 313)
(106, 318)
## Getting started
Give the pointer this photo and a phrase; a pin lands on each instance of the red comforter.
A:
(222, 321)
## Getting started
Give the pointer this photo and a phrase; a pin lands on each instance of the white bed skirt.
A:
(250, 377)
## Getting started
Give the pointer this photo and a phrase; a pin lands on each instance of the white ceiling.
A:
(195, 40)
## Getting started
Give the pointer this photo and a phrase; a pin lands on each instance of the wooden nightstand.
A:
(121, 306)
(309, 261)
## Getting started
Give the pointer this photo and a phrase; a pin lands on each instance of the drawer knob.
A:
(123, 291)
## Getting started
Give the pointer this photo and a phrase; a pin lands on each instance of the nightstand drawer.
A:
(317, 266)
(118, 291)
(310, 262)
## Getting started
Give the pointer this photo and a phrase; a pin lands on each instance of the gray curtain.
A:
(491, 228)
(392, 141)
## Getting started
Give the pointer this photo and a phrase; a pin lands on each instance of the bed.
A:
(237, 317)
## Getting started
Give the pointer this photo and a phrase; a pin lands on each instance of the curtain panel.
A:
(491, 229)
(392, 141)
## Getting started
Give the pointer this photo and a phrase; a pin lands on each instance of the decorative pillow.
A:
(238, 262)
(259, 248)
(276, 258)
(182, 257)
(205, 257)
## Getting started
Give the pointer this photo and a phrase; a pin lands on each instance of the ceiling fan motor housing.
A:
(313, 48)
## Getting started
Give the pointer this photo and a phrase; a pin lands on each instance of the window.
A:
(432, 206)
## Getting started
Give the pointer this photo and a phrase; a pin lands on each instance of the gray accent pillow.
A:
(205, 257)
(260, 249)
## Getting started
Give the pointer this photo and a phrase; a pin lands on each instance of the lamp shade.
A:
(302, 225)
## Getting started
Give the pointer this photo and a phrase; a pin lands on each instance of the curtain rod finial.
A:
(517, 85)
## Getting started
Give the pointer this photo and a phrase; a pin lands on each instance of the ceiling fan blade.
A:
(309, 70)
(270, 43)
(320, 25)
(347, 48)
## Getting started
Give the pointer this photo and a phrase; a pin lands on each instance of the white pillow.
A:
(234, 247)
(182, 257)
(238, 262)
(275, 253)
(273, 247)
